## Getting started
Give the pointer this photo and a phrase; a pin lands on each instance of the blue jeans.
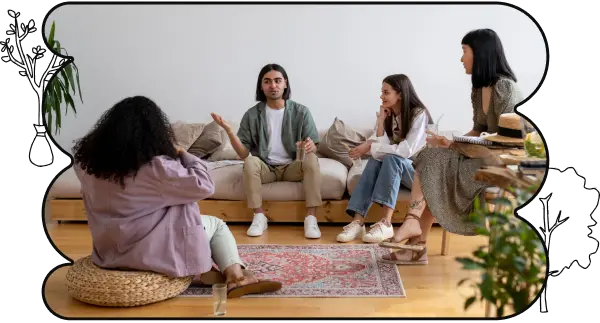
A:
(380, 183)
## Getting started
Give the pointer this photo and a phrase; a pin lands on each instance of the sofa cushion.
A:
(230, 186)
(338, 139)
(186, 133)
(225, 150)
(209, 141)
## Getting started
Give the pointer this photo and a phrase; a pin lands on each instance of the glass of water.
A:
(219, 294)
(432, 130)
(300, 152)
(435, 129)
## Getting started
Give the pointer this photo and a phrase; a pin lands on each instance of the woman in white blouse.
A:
(400, 133)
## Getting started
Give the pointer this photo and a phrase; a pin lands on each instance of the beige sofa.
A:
(283, 201)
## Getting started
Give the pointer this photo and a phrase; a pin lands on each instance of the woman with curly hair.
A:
(140, 193)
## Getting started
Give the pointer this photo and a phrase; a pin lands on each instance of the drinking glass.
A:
(431, 128)
(300, 152)
(219, 294)
(435, 129)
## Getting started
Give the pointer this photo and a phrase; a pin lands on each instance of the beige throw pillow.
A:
(225, 151)
(208, 142)
(332, 143)
(186, 133)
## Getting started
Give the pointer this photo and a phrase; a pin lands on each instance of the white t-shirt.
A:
(277, 153)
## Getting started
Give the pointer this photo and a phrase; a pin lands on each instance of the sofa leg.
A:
(445, 242)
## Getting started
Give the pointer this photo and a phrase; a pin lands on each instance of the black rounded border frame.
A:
(59, 160)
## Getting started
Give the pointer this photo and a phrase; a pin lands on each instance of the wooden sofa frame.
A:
(332, 211)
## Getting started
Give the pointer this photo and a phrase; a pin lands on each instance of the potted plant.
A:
(512, 266)
(59, 88)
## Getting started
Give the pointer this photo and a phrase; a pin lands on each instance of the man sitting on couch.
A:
(270, 136)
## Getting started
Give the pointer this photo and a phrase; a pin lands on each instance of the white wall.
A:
(196, 59)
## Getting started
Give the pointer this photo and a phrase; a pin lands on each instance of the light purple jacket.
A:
(154, 223)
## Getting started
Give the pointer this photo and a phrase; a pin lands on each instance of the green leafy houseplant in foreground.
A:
(512, 266)
(59, 89)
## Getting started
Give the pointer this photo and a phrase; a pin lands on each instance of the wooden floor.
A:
(431, 289)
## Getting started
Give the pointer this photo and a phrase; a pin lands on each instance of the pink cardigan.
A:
(154, 223)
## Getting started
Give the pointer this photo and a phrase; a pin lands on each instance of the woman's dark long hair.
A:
(489, 59)
(410, 107)
(125, 138)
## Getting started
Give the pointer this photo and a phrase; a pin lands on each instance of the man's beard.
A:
(274, 96)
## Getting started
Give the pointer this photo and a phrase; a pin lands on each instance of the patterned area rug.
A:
(334, 270)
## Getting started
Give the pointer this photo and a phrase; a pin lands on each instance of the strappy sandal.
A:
(237, 290)
(396, 244)
(417, 258)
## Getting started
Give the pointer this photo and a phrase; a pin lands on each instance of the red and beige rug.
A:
(334, 270)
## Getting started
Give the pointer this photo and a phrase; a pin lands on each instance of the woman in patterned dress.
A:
(443, 186)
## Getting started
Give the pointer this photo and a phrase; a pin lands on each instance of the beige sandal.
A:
(396, 244)
(237, 290)
(416, 258)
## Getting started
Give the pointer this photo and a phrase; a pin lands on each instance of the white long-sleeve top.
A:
(414, 141)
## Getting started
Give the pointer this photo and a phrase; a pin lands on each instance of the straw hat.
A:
(91, 284)
(509, 130)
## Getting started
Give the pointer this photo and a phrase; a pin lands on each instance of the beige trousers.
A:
(257, 172)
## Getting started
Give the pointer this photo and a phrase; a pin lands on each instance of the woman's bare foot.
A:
(410, 229)
(242, 281)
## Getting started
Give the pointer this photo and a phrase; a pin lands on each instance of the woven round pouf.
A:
(117, 288)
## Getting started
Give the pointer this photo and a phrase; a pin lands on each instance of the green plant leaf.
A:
(65, 78)
(480, 254)
(57, 101)
(68, 98)
(469, 264)
(487, 286)
(533, 274)
(520, 263)
(47, 106)
(49, 121)
(482, 231)
(521, 300)
(77, 78)
(57, 89)
(469, 302)
(500, 311)
(69, 101)
(503, 201)
(69, 72)
(51, 37)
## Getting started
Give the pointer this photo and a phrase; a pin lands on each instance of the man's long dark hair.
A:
(260, 95)
(410, 107)
(125, 138)
(489, 59)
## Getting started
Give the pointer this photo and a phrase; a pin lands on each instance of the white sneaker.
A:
(311, 227)
(352, 232)
(379, 232)
(258, 226)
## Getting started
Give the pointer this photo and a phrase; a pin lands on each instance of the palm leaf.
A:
(61, 88)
